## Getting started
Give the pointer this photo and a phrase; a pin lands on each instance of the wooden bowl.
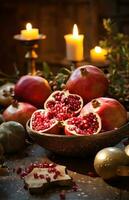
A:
(78, 145)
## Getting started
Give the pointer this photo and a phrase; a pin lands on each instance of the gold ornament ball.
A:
(108, 160)
(127, 150)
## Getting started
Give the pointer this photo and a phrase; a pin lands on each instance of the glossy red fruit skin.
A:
(20, 113)
(111, 112)
(32, 89)
(87, 81)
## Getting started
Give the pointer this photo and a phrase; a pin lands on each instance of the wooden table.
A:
(89, 187)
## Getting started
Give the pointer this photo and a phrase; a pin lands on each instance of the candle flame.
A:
(75, 31)
(28, 26)
(98, 49)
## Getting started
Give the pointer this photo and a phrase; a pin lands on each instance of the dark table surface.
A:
(89, 187)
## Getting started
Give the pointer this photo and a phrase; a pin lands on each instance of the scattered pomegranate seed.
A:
(23, 174)
(41, 176)
(52, 165)
(29, 169)
(48, 179)
(51, 170)
(45, 165)
(57, 172)
(91, 174)
(35, 165)
(36, 176)
(62, 195)
(55, 176)
(75, 187)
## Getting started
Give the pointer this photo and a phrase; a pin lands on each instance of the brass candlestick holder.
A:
(31, 55)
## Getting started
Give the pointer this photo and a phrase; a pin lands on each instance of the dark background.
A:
(55, 18)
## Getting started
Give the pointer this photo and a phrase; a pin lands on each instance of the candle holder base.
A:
(31, 55)
(75, 64)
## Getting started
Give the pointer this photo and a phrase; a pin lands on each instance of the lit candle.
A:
(74, 45)
(98, 55)
(30, 33)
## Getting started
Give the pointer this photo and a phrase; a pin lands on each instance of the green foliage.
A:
(57, 81)
(118, 57)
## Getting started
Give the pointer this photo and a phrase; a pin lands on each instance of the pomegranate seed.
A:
(91, 174)
(40, 165)
(23, 174)
(52, 165)
(57, 173)
(62, 195)
(45, 165)
(41, 176)
(51, 170)
(50, 104)
(48, 179)
(35, 165)
(55, 176)
(36, 176)
(28, 169)
(75, 188)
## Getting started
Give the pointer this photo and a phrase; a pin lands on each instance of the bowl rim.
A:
(76, 136)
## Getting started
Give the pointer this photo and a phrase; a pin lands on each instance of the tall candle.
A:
(74, 45)
(98, 55)
(30, 33)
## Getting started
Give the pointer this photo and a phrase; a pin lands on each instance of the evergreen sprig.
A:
(117, 45)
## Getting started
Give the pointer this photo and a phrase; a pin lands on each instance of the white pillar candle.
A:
(30, 33)
(74, 45)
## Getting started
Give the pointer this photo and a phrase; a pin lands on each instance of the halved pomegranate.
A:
(83, 125)
(112, 112)
(63, 105)
(44, 122)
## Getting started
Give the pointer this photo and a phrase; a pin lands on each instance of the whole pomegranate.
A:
(111, 112)
(32, 89)
(19, 112)
(87, 81)
(43, 121)
(63, 105)
(83, 125)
